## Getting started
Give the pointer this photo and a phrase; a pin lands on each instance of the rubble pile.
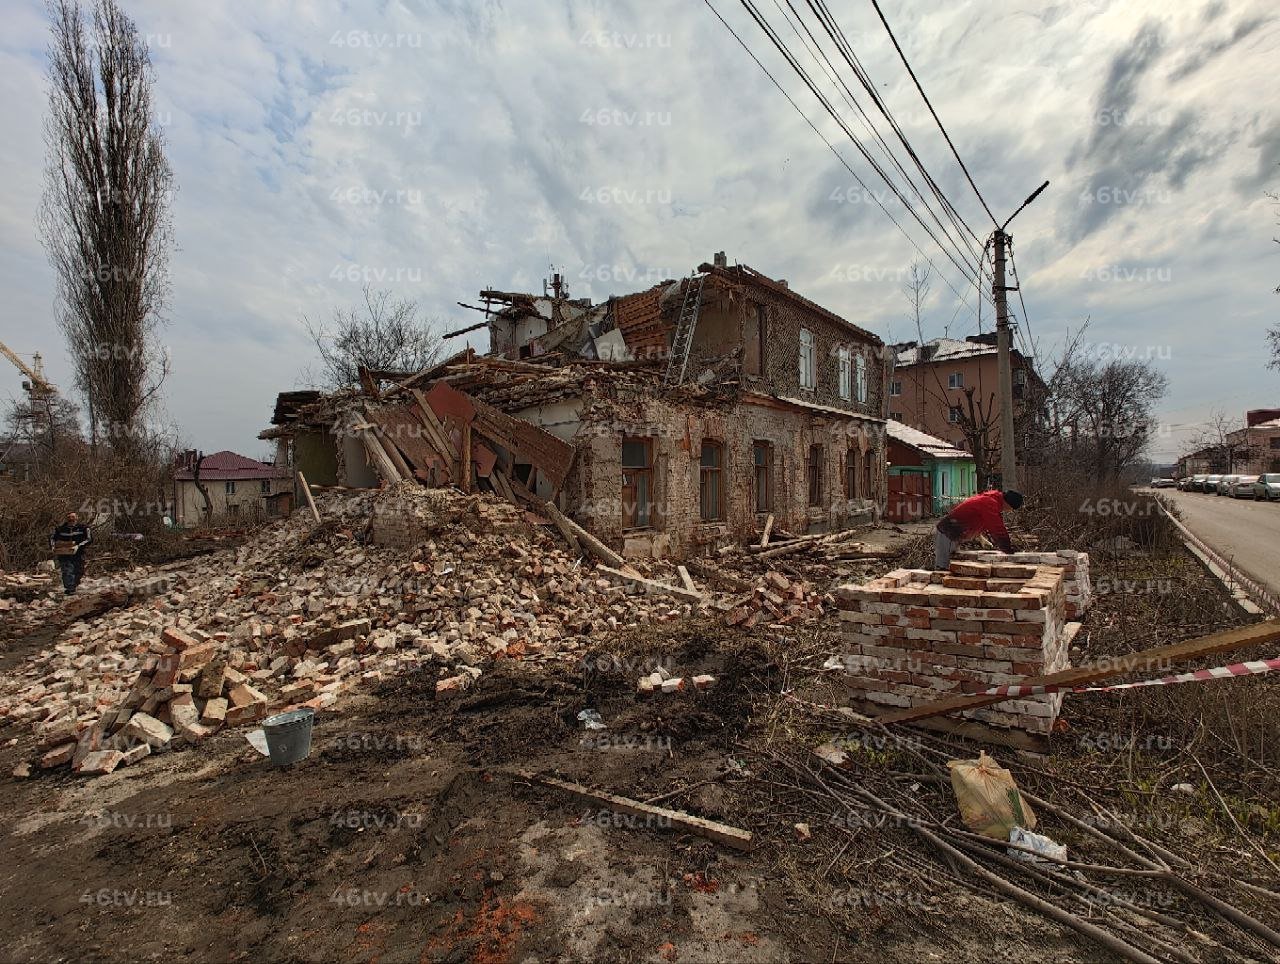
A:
(777, 600)
(301, 613)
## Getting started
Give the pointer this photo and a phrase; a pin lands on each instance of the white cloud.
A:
(440, 148)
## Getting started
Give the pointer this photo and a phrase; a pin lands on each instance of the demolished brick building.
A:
(666, 422)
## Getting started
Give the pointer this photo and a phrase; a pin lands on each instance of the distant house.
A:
(19, 461)
(949, 388)
(927, 475)
(240, 488)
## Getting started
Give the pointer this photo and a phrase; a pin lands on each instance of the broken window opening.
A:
(762, 458)
(637, 482)
(711, 481)
(815, 475)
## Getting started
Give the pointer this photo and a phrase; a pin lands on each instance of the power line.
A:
(834, 31)
(822, 99)
(934, 113)
(813, 45)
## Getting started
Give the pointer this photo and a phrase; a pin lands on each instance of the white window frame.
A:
(955, 380)
(860, 369)
(807, 360)
(229, 488)
(846, 373)
(895, 388)
(953, 414)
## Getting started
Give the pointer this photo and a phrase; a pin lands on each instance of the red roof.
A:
(229, 466)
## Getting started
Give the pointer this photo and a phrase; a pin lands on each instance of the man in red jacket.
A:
(977, 515)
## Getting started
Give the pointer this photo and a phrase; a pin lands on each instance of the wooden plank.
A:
(768, 531)
(389, 446)
(439, 434)
(974, 730)
(649, 584)
(467, 470)
(306, 490)
(716, 575)
(687, 579)
(386, 468)
(1158, 659)
(585, 538)
(662, 817)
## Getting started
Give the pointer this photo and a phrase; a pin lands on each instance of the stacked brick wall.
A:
(1075, 568)
(913, 637)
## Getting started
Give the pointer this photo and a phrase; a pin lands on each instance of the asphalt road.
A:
(1243, 530)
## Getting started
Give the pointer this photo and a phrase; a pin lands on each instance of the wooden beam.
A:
(649, 584)
(306, 489)
(386, 468)
(687, 579)
(657, 817)
(768, 531)
(1158, 659)
(465, 462)
(587, 540)
(712, 574)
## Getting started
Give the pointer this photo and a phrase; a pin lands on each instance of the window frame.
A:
(711, 481)
(852, 470)
(845, 361)
(860, 377)
(954, 415)
(631, 514)
(814, 474)
(895, 388)
(229, 487)
(955, 380)
(765, 504)
(808, 360)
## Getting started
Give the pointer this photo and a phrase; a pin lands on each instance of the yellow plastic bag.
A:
(989, 799)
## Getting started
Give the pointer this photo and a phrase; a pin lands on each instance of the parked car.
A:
(1223, 482)
(1267, 487)
(1191, 483)
(1208, 483)
(1242, 487)
(1163, 483)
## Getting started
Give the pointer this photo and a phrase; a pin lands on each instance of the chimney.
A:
(720, 260)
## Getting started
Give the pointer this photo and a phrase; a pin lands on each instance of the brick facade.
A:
(913, 637)
(593, 493)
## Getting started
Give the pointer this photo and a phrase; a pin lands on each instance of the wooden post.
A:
(306, 490)
(466, 457)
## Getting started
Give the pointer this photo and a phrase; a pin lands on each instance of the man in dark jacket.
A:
(977, 515)
(68, 542)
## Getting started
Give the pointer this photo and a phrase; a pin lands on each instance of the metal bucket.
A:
(289, 735)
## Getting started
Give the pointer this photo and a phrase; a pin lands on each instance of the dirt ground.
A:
(408, 836)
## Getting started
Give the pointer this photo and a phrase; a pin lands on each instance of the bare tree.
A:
(105, 217)
(49, 428)
(385, 335)
(1104, 407)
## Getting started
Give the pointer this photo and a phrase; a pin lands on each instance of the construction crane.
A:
(40, 397)
(36, 386)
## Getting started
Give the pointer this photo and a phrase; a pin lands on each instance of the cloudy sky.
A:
(435, 148)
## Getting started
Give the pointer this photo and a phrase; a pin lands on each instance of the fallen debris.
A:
(658, 817)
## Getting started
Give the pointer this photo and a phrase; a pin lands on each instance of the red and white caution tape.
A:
(1251, 668)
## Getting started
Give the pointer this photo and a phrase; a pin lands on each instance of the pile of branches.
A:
(1119, 889)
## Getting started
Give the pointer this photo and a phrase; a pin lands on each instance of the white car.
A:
(1241, 487)
(1267, 487)
(1163, 483)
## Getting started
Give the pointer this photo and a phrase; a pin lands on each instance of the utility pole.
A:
(1008, 461)
(999, 293)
